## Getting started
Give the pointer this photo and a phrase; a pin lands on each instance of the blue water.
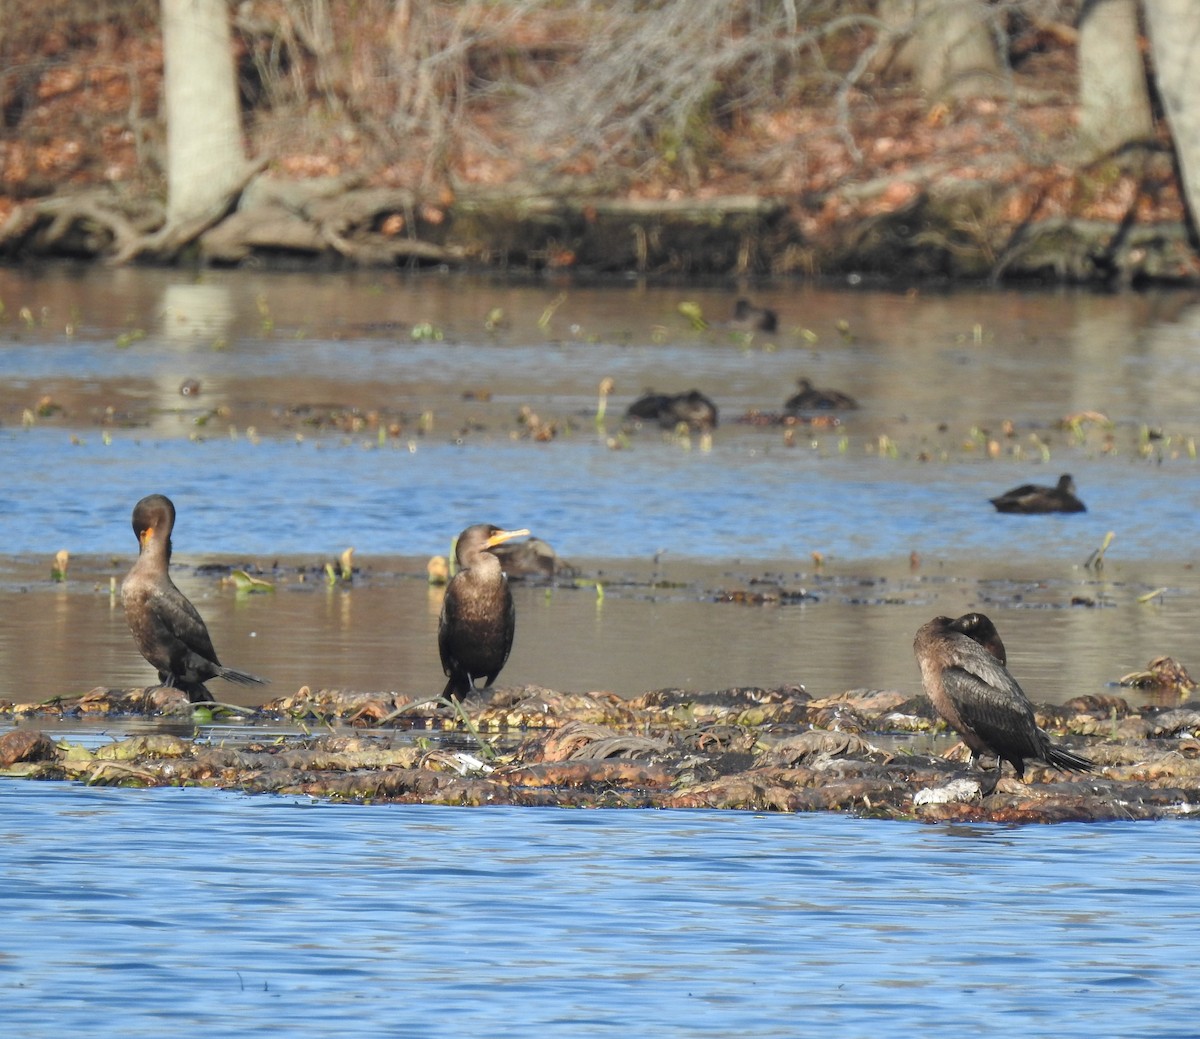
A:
(195, 912)
(742, 500)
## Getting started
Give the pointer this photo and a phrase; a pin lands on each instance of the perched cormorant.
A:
(978, 627)
(749, 318)
(670, 409)
(962, 668)
(165, 625)
(1030, 498)
(812, 399)
(475, 630)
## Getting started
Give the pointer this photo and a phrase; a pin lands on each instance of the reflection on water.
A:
(499, 922)
(226, 916)
(929, 370)
(853, 630)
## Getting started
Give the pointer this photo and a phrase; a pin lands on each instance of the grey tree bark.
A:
(206, 160)
(950, 50)
(1114, 103)
(1174, 30)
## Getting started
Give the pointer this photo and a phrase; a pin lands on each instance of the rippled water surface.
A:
(92, 418)
(201, 912)
(195, 912)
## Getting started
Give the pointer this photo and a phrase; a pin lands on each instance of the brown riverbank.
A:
(870, 181)
(870, 753)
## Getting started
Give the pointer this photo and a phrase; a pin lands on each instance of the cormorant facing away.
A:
(166, 626)
(810, 398)
(475, 631)
(1030, 498)
(962, 668)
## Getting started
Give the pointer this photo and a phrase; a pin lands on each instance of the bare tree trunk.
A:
(950, 51)
(1174, 29)
(1114, 102)
(206, 161)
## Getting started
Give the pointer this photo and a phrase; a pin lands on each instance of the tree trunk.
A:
(950, 51)
(1114, 102)
(206, 162)
(1174, 29)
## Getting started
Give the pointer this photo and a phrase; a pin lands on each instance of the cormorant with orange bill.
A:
(475, 630)
(962, 668)
(166, 627)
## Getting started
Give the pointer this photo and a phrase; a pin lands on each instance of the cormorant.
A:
(166, 626)
(812, 399)
(962, 669)
(1030, 498)
(670, 409)
(749, 318)
(475, 630)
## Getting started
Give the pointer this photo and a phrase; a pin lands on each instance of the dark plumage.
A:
(475, 631)
(166, 627)
(1030, 498)
(809, 398)
(531, 558)
(749, 318)
(670, 409)
(962, 668)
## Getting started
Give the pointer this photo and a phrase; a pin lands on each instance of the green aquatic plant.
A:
(246, 584)
(346, 564)
(58, 571)
(606, 387)
(266, 319)
(1096, 560)
(426, 331)
(485, 748)
(694, 314)
(495, 319)
(548, 312)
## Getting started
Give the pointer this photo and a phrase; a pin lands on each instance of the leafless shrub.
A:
(653, 79)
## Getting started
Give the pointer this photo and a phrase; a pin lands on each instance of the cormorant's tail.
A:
(232, 674)
(1062, 758)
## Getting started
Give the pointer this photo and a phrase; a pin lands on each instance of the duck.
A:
(810, 398)
(1032, 499)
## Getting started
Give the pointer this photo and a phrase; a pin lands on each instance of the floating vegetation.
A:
(872, 753)
(694, 315)
(58, 571)
(266, 318)
(247, 584)
(548, 312)
(1096, 560)
(425, 331)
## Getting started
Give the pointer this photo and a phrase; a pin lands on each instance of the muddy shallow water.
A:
(653, 627)
(386, 413)
(330, 413)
